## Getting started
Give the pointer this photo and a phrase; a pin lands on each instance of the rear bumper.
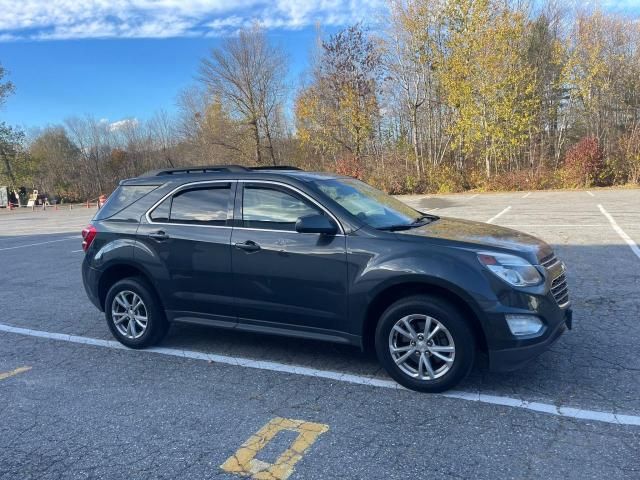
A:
(508, 359)
(91, 280)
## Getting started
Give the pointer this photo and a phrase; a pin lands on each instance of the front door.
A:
(282, 278)
(189, 234)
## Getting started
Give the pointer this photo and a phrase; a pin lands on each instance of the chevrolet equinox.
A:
(283, 251)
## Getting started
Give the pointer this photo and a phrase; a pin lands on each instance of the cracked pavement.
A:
(89, 412)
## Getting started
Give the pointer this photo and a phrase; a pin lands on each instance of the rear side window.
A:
(123, 197)
(201, 206)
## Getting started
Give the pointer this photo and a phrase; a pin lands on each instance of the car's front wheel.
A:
(425, 344)
(134, 314)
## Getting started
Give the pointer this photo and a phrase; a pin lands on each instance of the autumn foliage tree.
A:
(338, 111)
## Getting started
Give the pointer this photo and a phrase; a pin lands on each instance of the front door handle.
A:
(159, 235)
(248, 246)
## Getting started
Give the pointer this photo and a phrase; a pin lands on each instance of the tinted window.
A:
(208, 206)
(161, 212)
(123, 197)
(269, 208)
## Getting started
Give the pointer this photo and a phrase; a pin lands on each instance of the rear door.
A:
(284, 279)
(189, 235)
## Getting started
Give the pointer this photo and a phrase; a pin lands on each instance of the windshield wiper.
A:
(418, 222)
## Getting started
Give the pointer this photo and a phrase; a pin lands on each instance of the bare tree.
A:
(247, 75)
(6, 87)
(163, 130)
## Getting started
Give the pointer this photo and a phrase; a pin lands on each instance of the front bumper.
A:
(508, 359)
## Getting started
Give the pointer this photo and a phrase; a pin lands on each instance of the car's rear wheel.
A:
(134, 315)
(425, 344)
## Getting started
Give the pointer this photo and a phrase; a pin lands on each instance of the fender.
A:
(444, 268)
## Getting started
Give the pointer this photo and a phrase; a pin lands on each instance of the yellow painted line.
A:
(245, 463)
(13, 373)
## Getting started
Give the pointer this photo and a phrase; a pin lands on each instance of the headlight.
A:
(512, 269)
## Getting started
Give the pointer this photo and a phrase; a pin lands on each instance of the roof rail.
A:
(274, 167)
(214, 169)
(197, 169)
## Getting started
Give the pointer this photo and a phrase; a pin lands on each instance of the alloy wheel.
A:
(129, 314)
(422, 347)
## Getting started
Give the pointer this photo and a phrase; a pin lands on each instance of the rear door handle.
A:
(159, 235)
(248, 246)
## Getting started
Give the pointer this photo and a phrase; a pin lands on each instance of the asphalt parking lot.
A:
(218, 404)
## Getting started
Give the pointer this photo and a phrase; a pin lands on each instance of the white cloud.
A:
(69, 19)
(121, 124)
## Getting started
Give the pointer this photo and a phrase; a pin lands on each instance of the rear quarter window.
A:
(123, 197)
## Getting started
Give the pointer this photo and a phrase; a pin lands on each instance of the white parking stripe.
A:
(589, 193)
(39, 243)
(560, 411)
(563, 225)
(495, 217)
(633, 245)
(472, 197)
(526, 195)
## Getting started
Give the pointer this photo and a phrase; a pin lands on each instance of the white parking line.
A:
(495, 217)
(76, 251)
(589, 193)
(633, 245)
(574, 225)
(548, 408)
(472, 197)
(526, 195)
(39, 243)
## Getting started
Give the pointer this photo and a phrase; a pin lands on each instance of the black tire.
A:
(157, 325)
(446, 314)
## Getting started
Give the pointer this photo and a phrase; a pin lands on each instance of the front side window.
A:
(270, 208)
(200, 206)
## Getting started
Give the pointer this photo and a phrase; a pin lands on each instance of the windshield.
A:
(370, 205)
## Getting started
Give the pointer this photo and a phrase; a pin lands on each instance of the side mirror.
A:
(316, 224)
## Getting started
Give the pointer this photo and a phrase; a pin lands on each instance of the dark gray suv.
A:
(283, 251)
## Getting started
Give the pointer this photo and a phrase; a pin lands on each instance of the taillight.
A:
(88, 234)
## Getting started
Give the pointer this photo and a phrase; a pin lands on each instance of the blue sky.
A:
(118, 59)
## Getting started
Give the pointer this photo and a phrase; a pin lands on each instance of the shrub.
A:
(584, 164)
(350, 166)
(629, 153)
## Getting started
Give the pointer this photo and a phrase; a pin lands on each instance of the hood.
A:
(482, 235)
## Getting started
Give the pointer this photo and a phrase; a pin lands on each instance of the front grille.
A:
(560, 289)
(550, 261)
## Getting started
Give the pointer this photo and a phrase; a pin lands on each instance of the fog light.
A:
(524, 324)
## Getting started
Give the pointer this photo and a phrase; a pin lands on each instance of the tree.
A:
(547, 55)
(488, 82)
(6, 87)
(247, 75)
(16, 170)
(57, 159)
(208, 130)
(414, 56)
(92, 137)
(339, 110)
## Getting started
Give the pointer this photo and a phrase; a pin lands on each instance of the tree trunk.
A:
(256, 138)
(269, 142)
